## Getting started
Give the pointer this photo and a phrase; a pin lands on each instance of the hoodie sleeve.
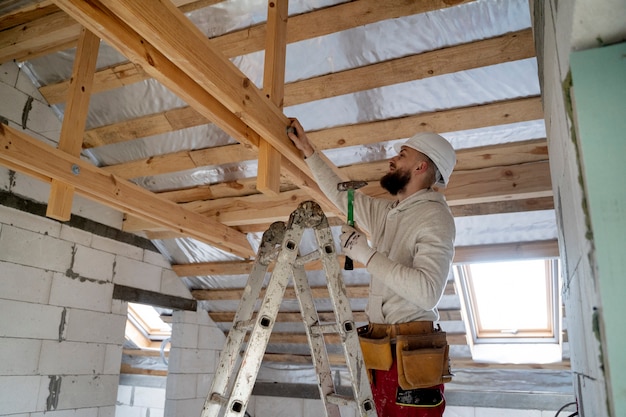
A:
(367, 210)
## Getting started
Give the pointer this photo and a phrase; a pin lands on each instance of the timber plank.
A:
(463, 254)
(20, 150)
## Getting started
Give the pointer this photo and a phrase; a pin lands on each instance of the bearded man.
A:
(409, 259)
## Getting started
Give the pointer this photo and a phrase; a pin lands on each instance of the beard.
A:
(395, 181)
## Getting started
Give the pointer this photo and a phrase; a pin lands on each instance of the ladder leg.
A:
(319, 353)
(222, 381)
(266, 317)
(345, 322)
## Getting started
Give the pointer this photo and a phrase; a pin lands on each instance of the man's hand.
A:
(354, 244)
(299, 138)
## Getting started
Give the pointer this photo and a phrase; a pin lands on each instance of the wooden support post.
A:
(74, 120)
(269, 162)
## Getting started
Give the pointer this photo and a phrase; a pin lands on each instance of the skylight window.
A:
(144, 326)
(511, 310)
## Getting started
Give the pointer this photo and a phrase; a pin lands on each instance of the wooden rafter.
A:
(185, 62)
(23, 153)
(514, 46)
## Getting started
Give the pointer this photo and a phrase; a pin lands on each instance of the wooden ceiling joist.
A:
(463, 254)
(514, 111)
(25, 153)
(348, 81)
(301, 27)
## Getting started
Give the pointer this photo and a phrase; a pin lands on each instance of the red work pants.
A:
(385, 391)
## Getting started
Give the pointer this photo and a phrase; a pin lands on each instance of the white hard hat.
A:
(438, 149)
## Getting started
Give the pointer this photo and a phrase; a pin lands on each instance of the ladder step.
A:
(340, 399)
(216, 398)
(325, 328)
(245, 325)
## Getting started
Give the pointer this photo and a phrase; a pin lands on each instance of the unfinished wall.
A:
(560, 28)
(61, 332)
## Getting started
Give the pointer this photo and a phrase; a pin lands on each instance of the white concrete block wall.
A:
(137, 401)
(195, 347)
(61, 334)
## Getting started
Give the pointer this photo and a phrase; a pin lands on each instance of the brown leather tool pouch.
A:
(422, 360)
(376, 349)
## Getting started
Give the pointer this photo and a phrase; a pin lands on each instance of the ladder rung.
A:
(339, 399)
(216, 398)
(244, 325)
(324, 328)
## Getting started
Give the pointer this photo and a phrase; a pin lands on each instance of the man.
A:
(412, 245)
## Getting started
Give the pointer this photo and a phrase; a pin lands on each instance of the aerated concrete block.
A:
(27, 221)
(20, 356)
(112, 360)
(74, 235)
(71, 358)
(93, 264)
(29, 320)
(172, 284)
(24, 283)
(177, 408)
(83, 391)
(149, 397)
(185, 335)
(9, 72)
(95, 327)
(79, 292)
(156, 258)
(12, 390)
(117, 248)
(136, 274)
(181, 386)
(28, 248)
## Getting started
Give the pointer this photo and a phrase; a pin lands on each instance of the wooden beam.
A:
(136, 295)
(195, 75)
(511, 111)
(301, 27)
(348, 81)
(27, 13)
(359, 316)
(51, 33)
(74, 120)
(507, 251)
(457, 363)
(17, 149)
(352, 291)
(465, 118)
(463, 254)
(184, 45)
(505, 48)
(529, 180)
(268, 171)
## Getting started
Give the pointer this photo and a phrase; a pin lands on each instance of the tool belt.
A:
(420, 349)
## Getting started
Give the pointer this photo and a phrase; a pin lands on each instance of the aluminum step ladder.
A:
(235, 375)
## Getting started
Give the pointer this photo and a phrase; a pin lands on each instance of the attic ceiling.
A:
(184, 130)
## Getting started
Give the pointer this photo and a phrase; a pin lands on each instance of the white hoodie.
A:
(414, 243)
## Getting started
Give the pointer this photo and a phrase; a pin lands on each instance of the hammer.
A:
(350, 186)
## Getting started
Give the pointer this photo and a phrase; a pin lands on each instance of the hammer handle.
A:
(349, 264)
